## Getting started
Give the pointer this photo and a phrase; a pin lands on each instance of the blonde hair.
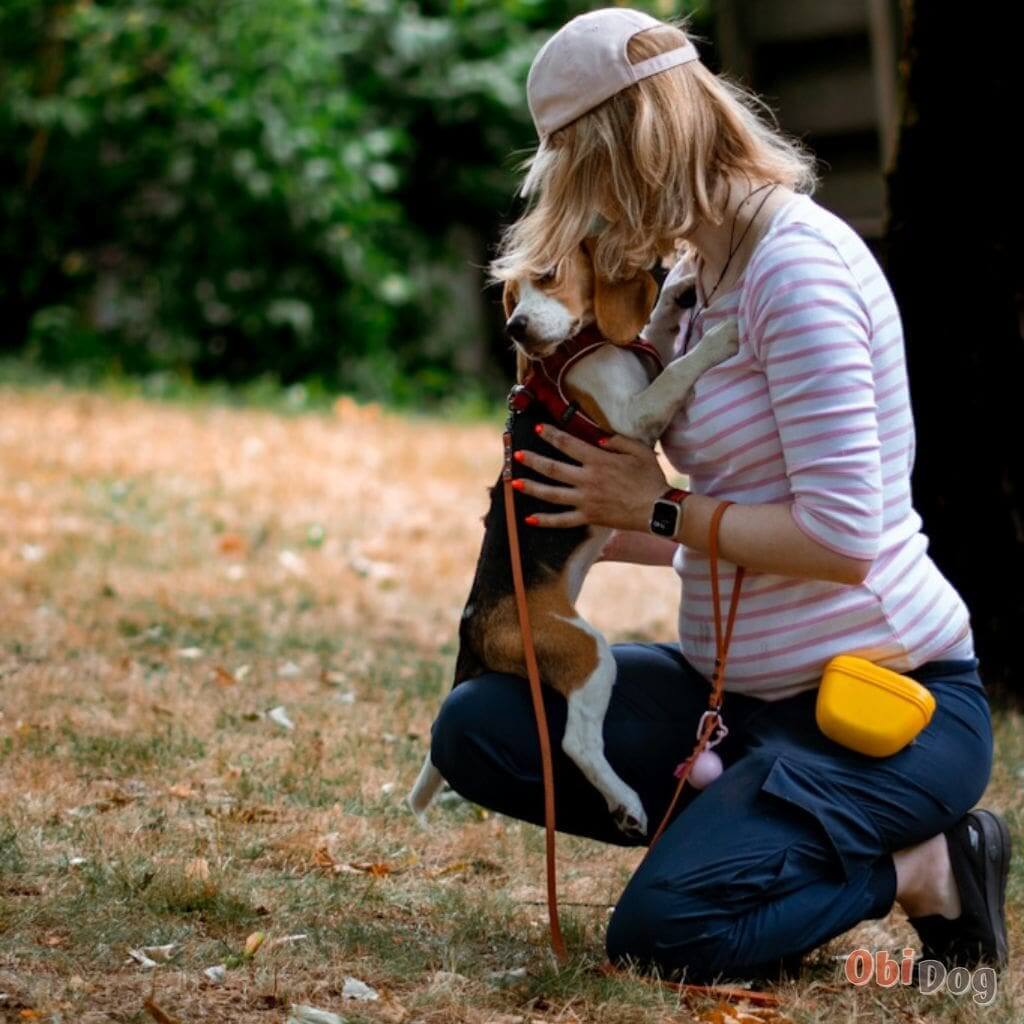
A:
(655, 159)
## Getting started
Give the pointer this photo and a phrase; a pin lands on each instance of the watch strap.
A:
(676, 494)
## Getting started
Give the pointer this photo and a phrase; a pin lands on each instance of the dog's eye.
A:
(546, 278)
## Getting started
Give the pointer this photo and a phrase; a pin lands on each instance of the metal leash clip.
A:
(519, 397)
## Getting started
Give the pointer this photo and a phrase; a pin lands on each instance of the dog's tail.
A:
(425, 789)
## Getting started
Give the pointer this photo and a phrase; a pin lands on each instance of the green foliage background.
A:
(233, 188)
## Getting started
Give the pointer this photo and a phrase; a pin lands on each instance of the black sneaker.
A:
(979, 852)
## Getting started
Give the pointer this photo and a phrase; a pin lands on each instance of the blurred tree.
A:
(237, 187)
(956, 261)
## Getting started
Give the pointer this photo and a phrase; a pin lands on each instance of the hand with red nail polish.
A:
(613, 483)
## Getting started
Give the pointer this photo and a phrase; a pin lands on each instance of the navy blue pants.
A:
(789, 847)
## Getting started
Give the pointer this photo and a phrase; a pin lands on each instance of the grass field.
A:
(169, 575)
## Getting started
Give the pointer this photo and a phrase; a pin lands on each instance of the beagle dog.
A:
(604, 386)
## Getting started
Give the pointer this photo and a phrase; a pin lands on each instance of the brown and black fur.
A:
(545, 554)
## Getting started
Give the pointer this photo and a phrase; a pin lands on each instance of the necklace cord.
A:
(732, 252)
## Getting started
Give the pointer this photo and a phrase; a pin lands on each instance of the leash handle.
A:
(533, 674)
(711, 729)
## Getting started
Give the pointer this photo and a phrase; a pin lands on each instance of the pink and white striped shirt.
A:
(813, 410)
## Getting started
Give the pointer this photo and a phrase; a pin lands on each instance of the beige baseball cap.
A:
(585, 62)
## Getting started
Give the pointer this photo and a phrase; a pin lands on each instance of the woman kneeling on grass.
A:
(808, 429)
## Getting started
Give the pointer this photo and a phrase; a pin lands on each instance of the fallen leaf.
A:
(291, 562)
(380, 869)
(198, 870)
(508, 977)
(190, 653)
(451, 869)
(726, 992)
(217, 974)
(359, 991)
(162, 954)
(311, 1015)
(231, 544)
(280, 717)
(368, 568)
(253, 943)
(159, 1015)
(287, 940)
(376, 870)
(222, 677)
(392, 1013)
(145, 962)
(323, 858)
(181, 790)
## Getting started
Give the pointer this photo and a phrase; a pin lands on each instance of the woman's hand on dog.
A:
(614, 485)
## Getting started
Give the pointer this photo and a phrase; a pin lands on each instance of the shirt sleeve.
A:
(810, 330)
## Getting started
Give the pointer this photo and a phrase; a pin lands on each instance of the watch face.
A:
(664, 516)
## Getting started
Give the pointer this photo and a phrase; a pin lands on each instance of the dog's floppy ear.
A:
(621, 308)
(509, 297)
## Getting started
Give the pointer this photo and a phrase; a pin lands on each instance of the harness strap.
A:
(544, 382)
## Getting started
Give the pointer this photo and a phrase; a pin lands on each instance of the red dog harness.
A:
(544, 382)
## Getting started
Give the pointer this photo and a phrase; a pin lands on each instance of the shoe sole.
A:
(998, 847)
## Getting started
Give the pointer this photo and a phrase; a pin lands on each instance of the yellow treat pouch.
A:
(871, 709)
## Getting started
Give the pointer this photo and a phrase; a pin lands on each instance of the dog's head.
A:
(543, 313)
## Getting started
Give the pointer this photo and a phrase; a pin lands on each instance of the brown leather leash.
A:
(710, 730)
(711, 725)
(533, 674)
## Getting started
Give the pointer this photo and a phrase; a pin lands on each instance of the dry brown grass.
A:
(170, 573)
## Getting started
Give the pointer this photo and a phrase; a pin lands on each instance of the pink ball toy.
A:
(706, 769)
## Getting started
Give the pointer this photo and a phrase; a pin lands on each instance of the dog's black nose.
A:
(516, 327)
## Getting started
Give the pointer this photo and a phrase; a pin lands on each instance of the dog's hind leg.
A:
(425, 789)
(584, 740)
(575, 659)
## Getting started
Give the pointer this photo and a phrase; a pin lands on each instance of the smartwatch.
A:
(666, 512)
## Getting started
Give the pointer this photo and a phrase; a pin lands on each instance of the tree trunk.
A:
(955, 259)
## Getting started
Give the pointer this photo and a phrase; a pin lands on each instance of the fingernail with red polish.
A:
(602, 441)
(518, 456)
(531, 520)
(518, 484)
(539, 428)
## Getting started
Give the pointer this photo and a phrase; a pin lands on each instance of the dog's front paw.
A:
(722, 342)
(630, 816)
(675, 298)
